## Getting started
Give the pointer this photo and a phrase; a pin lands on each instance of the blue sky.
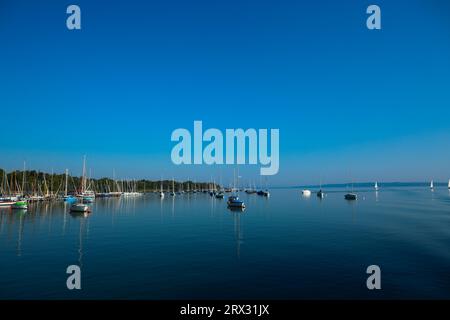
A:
(373, 105)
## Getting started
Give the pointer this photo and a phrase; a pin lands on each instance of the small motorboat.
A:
(80, 207)
(20, 205)
(234, 202)
(351, 196)
(219, 195)
(306, 193)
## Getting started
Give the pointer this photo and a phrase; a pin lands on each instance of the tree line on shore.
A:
(32, 181)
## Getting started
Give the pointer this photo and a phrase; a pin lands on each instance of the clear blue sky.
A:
(374, 105)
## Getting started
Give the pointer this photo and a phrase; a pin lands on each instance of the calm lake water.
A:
(284, 247)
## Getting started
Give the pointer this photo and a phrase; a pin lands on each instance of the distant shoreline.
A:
(365, 185)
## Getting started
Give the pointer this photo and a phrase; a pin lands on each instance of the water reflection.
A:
(20, 214)
(145, 235)
(83, 218)
(237, 230)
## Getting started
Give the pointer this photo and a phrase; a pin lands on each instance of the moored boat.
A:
(80, 207)
(69, 198)
(20, 205)
(351, 196)
(306, 193)
(219, 195)
(234, 202)
(87, 199)
(6, 204)
(320, 194)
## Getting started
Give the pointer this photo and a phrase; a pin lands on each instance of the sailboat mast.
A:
(23, 179)
(67, 176)
(83, 177)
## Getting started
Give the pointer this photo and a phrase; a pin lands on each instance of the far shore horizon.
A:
(243, 185)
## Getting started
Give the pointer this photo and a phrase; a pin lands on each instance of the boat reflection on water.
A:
(78, 214)
(238, 231)
(236, 209)
(82, 233)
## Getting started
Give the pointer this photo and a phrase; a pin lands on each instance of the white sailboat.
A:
(448, 184)
(376, 186)
(173, 188)
(431, 185)
(161, 192)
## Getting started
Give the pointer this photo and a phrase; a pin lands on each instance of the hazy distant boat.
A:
(36, 198)
(321, 194)
(351, 195)
(448, 184)
(431, 185)
(376, 186)
(161, 192)
(306, 193)
(173, 188)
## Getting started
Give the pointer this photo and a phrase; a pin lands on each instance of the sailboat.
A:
(351, 195)
(67, 197)
(376, 186)
(449, 184)
(220, 194)
(161, 192)
(432, 185)
(233, 201)
(173, 188)
(320, 193)
(87, 196)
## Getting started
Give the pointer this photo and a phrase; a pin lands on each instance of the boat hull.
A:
(351, 196)
(306, 193)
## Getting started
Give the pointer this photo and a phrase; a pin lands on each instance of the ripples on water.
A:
(192, 246)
